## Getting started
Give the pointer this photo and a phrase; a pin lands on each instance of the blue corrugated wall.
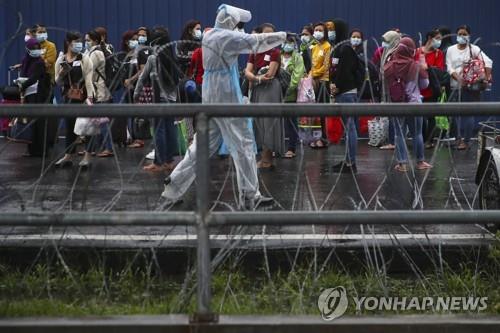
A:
(372, 16)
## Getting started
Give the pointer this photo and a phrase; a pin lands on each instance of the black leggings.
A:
(323, 96)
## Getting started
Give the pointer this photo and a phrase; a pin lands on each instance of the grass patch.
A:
(57, 290)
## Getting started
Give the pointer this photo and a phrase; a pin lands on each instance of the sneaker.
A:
(254, 203)
(344, 168)
(151, 155)
(169, 193)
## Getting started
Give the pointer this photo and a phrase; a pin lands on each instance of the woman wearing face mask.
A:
(129, 68)
(307, 42)
(35, 90)
(390, 42)
(356, 39)
(434, 58)
(163, 74)
(292, 62)
(74, 73)
(102, 94)
(344, 87)
(265, 88)
(320, 72)
(332, 33)
(141, 52)
(49, 56)
(456, 57)
(402, 67)
(190, 41)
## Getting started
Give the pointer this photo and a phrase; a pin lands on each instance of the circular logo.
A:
(332, 303)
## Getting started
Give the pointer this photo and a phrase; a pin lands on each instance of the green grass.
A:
(57, 291)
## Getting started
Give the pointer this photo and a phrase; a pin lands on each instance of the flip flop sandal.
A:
(424, 166)
(105, 154)
(400, 168)
(153, 168)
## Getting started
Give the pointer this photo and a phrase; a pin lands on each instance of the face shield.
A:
(228, 17)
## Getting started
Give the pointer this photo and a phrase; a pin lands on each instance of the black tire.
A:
(489, 191)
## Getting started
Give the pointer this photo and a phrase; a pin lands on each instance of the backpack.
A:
(111, 70)
(373, 75)
(397, 90)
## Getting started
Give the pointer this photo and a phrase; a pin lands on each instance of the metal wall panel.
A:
(373, 17)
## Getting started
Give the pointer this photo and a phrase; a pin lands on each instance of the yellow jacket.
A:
(50, 57)
(321, 61)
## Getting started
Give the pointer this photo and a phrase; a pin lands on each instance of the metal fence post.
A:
(204, 270)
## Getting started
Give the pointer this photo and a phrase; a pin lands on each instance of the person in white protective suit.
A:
(221, 48)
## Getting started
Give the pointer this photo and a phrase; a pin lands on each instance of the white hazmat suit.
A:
(221, 48)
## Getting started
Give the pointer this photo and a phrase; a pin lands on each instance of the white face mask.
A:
(319, 35)
(197, 34)
(27, 38)
(436, 43)
(306, 39)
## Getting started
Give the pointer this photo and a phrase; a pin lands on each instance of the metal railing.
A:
(202, 218)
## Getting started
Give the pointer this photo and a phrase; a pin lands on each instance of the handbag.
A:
(474, 74)
(141, 129)
(20, 131)
(305, 91)
(87, 126)
(75, 92)
(442, 121)
(378, 129)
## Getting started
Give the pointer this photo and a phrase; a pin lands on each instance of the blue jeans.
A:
(106, 142)
(464, 125)
(350, 127)
(414, 125)
(391, 134)
(292, 132)
(165, 139)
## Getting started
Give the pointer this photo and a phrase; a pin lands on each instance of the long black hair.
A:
(167, 67)
(341, 30)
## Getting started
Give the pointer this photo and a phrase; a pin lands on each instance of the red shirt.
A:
(196, 66)
(264, 59)
(433, 59)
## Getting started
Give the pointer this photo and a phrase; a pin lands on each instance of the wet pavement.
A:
(304, 183)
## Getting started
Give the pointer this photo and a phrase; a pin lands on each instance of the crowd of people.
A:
(326, 62)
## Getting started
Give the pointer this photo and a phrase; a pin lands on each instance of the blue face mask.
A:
(385, 45)
(355, 41)
(88, 45)
(35, 53)
(77, 47)
(41, 37)
(332, 35)
(288, 48)
(436, 43)
(132, 44)
(142, 40)
(462, 40)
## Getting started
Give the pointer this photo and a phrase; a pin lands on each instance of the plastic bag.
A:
(305, 92)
